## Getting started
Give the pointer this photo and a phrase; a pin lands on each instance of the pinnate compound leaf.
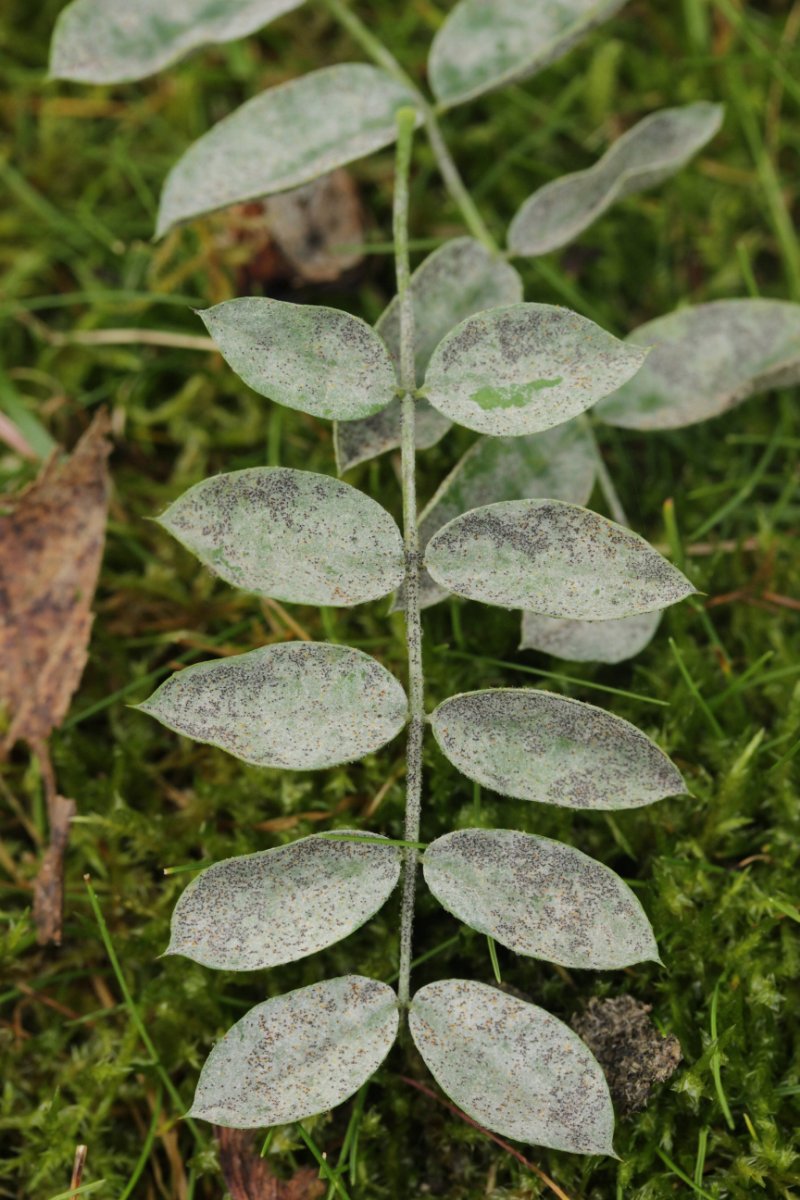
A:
(589, 641)
(540, 898)
(705, 360)
(297, 705)
(559, 464)
(293, 535)
(460, 278)
(524, 368)
(645, 156)
(298, 1054)
(552, 558)
(512, 1066)
(287, 136)
(485, 44)
(534, 745)
(321, 361)
(117, 41)
(260, 910)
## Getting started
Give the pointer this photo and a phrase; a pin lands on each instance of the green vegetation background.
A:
(717, 871)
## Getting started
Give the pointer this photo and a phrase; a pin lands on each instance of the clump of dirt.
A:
(633, 1054)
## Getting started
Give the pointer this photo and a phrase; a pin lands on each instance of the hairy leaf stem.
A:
(451, 176)
(607, 487)
(382, 57)
(406, 120)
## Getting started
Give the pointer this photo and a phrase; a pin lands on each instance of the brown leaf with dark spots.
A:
(51, 545)
(249, 1177)
(633, 1054)
(315, 223)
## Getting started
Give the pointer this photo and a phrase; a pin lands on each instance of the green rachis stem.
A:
(376, 50)
(406, 119)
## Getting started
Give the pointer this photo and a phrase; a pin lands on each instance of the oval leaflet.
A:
(539, 898)
(705, 360)
(115, 41)
(484, 44)
(524, 368)
(558, 463)
(275, 906)
(294, 535)
(298, 1054)
(512, 1066)
(319, 360)
(535, 745)
(269, 145)
(297, 705)
(552, 558)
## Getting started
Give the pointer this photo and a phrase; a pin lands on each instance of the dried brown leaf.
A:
(51, 544)
(318, 227)
(249, 1177)
(633, 1054)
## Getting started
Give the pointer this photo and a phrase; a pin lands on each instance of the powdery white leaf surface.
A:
(512, 1066)
(298, 1054)
(539, 898)
(460, 278)
(705, 360)
(284, 137)
(535, 745)
(484, 44)
(260, 910)
(293, 535)
(116, 41)
(558, 463)
(552, 558)
(321, 361)
(645, 156)
(589, 641)
(296, 705)
(524, 368)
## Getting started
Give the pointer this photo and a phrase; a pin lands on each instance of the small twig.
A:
(15, 440)
(78, 1163)
(270, 606)
(48, 891)
(120, 337)
(537, 1171)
